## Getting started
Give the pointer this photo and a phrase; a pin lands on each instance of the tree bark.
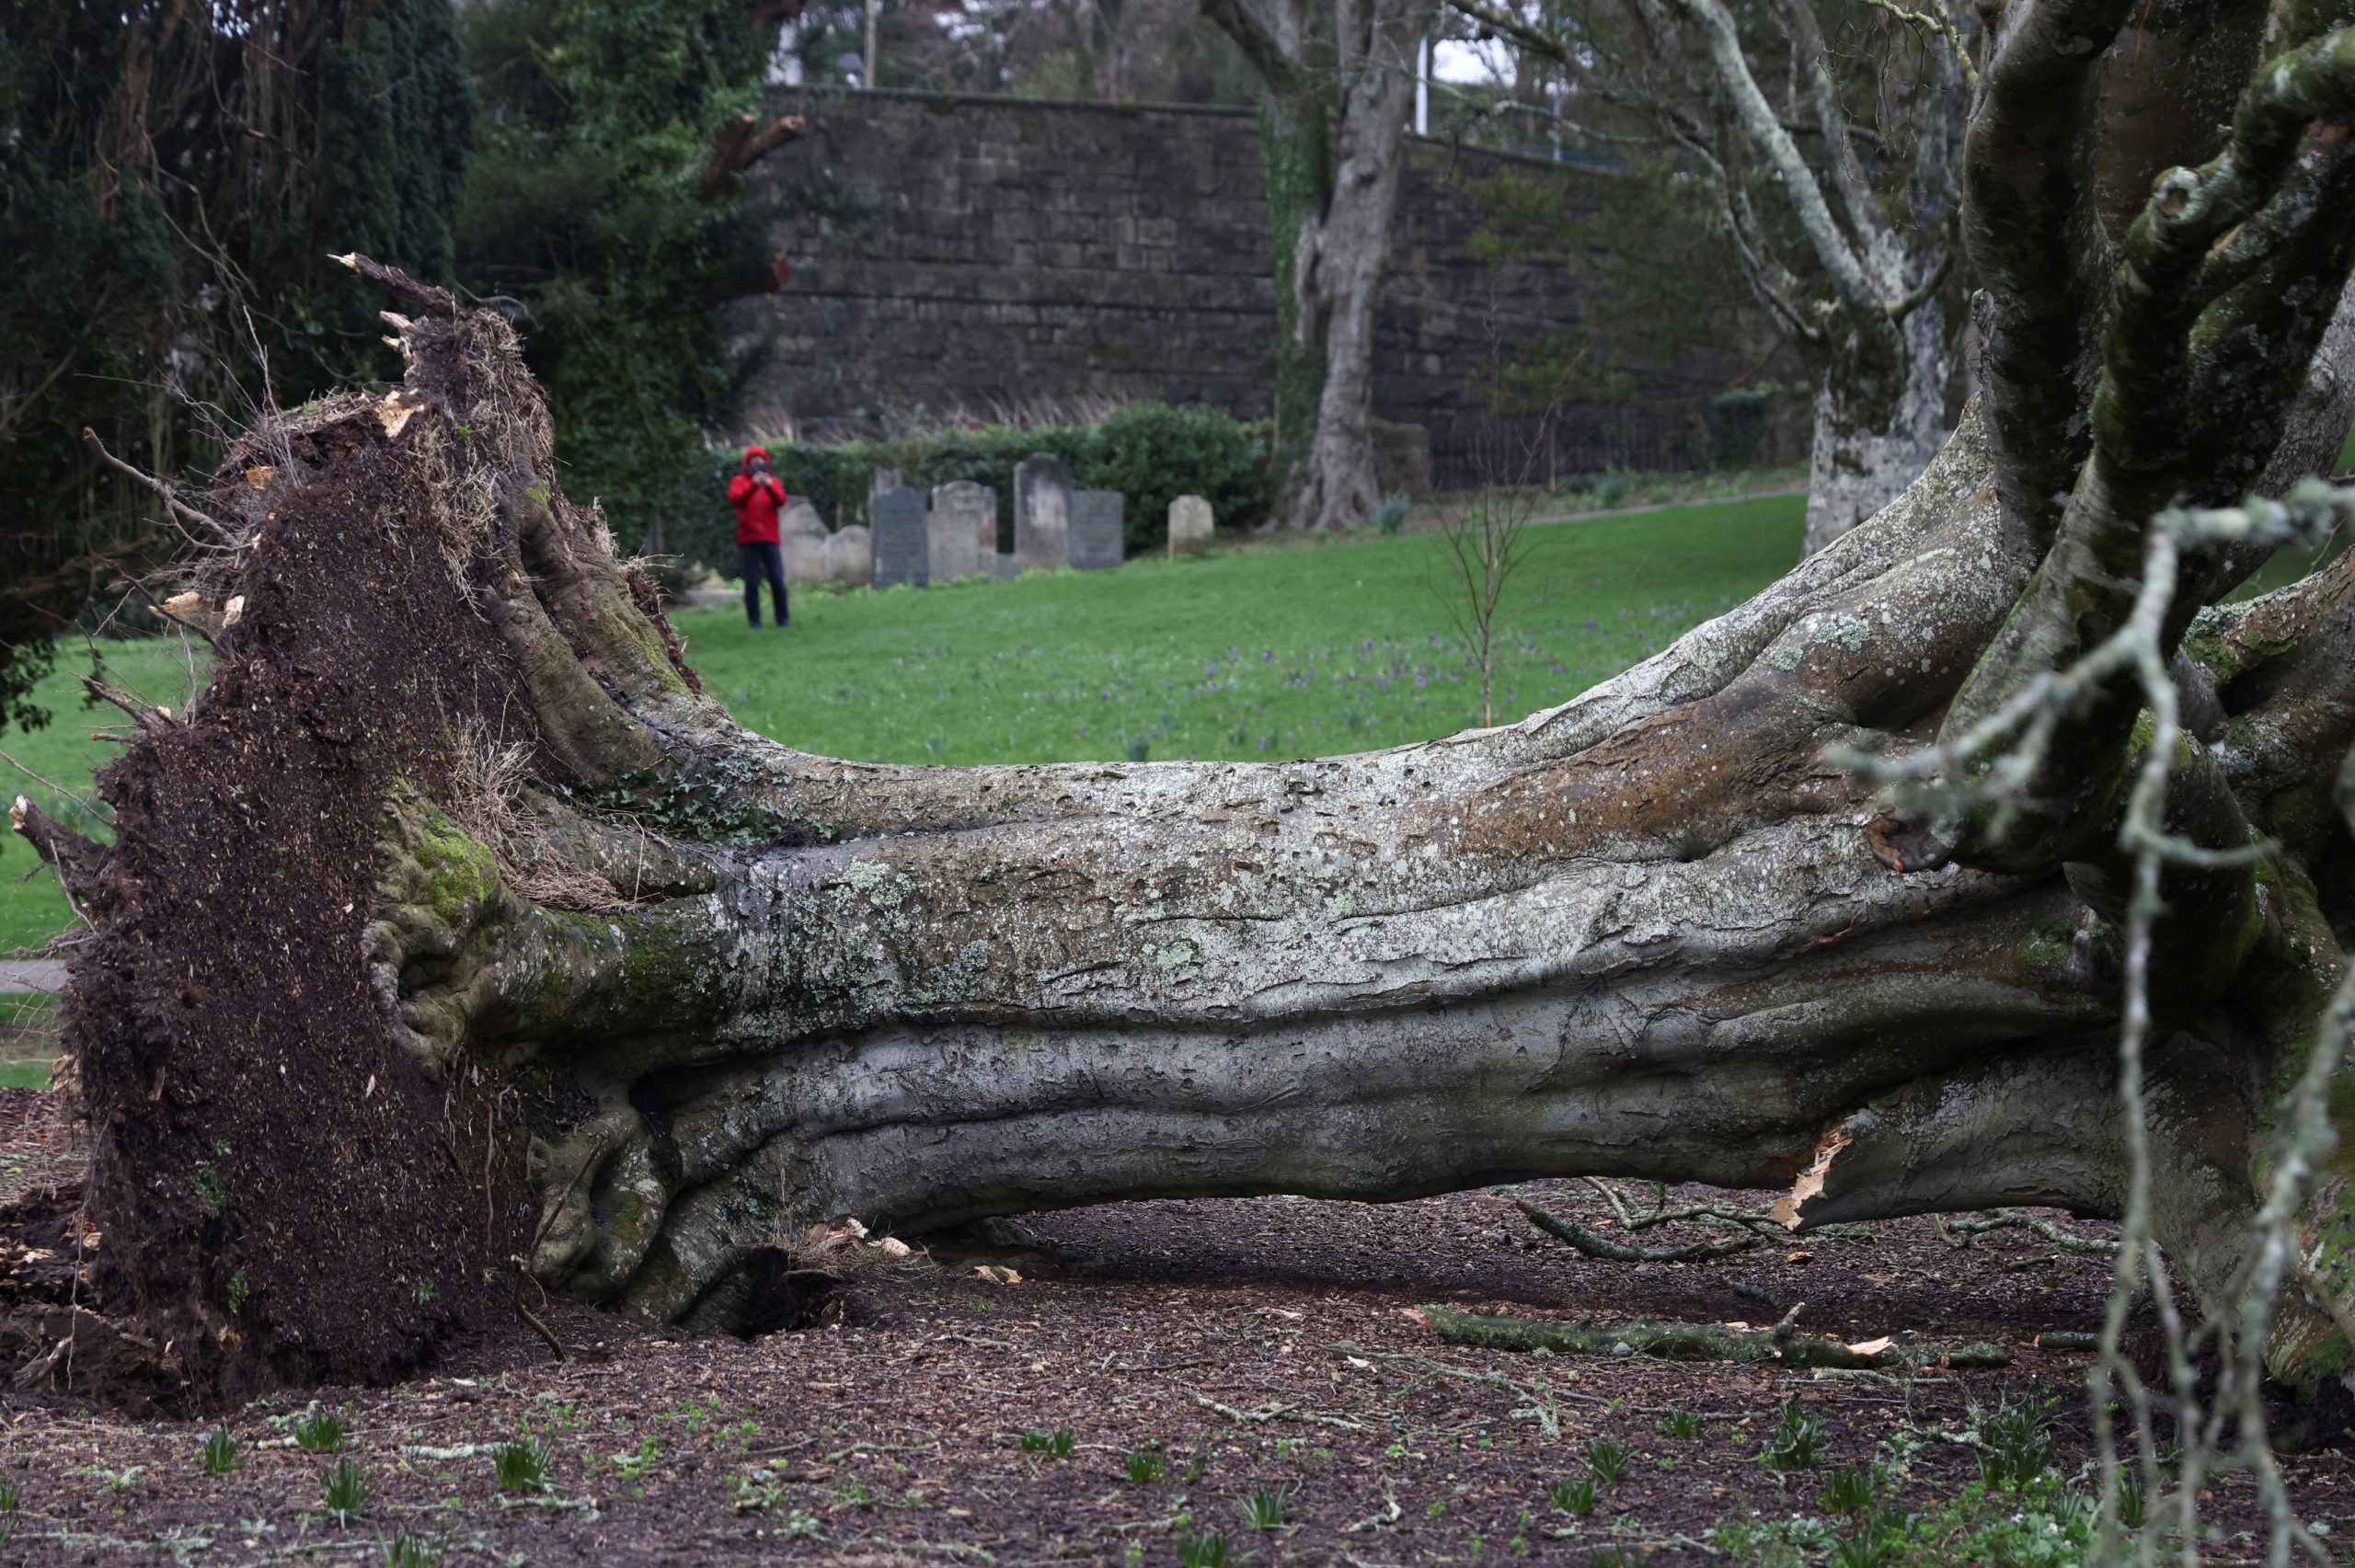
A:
(454, 930)
(1877, 427)
(1334, 131)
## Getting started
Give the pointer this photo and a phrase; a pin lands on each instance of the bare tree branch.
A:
(1268, 37)
(1763, 129)
(1880, 254)
(742, 142)
(1506, 24)
(179, 509)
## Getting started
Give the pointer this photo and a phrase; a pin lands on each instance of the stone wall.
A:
(1003, 255)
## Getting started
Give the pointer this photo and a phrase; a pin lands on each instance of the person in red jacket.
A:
(757, 494)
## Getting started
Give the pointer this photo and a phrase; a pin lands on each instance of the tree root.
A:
(1697, 1342)
(2005, 1219)
(1595, 1246)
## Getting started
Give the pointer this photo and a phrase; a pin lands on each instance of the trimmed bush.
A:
(1154, 453)
(1150, 453)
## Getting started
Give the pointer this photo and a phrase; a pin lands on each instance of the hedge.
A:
(1150, 453)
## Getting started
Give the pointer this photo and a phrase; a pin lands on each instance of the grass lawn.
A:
(1303, 649)
(27, 1040)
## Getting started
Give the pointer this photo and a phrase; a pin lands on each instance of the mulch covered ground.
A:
(1252, 1345)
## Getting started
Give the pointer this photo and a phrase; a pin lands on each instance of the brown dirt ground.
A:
(1265, 1340)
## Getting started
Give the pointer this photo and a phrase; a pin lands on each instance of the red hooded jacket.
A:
(756, 499)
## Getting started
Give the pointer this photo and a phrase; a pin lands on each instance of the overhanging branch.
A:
(742, 142)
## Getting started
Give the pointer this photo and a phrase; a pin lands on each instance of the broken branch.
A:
(149, 718)
(743, 141)
(178, 507)
(2004, 1219)
(1695, 1342)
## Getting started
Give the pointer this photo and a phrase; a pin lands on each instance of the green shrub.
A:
(2015, 1442)
(1572, 1496)
(1206, 1550)
(1798, 1442)
(1154, 453)
(1266, 1508)
(406, 1551)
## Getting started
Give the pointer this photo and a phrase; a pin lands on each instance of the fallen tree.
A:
(453, 946)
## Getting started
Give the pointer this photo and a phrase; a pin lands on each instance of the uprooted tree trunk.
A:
(454, 944)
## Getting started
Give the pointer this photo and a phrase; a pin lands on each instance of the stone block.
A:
(800, 519)
(902, 538)
(850, 556)
(805, 557)
(1095, 517)
(1041, 513)
(1190, 526)
(963, 529)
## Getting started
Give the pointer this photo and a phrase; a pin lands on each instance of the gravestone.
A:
(902, 545)
(1095, 517)
(850, 556)
(801, 534)
(1190, 526)
(1041, 513)
(963, 528)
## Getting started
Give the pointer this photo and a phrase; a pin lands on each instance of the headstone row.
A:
(956, 534)
(814, 555)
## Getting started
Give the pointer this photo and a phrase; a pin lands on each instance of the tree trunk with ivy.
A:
(454, 943)
(1333, 135)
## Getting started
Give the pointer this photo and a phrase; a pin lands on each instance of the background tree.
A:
(1831, 151)
(171, 179)
(1337, 82)
(606, 207)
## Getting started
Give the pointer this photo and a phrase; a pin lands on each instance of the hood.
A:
(752, 452)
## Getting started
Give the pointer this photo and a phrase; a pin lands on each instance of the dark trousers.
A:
(764, 561)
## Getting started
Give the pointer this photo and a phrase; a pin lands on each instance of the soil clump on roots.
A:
(302, 1200)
